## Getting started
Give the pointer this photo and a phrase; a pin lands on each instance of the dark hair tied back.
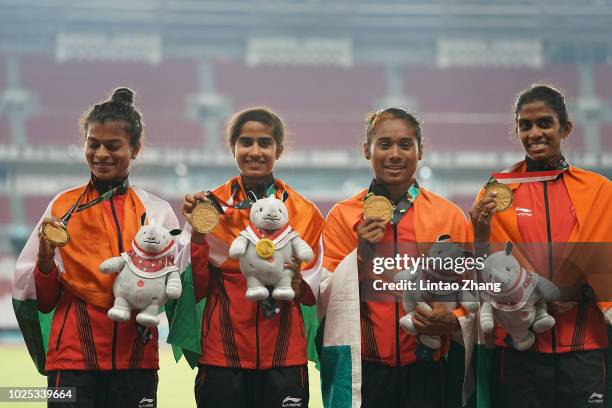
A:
(123, 95)
(256, 114)
(118, 109)
(374, 119)
(549, 95)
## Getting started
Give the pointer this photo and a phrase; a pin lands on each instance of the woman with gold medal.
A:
(248, 353)
(367, 359)
(558, 218)
(109, 363)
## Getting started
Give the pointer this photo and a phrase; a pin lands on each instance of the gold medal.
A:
(378, 206)
(265, 248)
(57, 236)
(204, 217)
(503, 196)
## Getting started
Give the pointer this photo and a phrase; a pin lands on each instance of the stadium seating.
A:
(474, 90)
(324, 107)
(66, 90)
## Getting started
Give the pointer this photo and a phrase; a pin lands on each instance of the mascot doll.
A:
(265, 246)
(443, 250)
(147, 275)
(520, 305)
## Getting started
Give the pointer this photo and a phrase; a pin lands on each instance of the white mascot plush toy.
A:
(444, 250)
(147, 275)
(520, 305)
(265, 246)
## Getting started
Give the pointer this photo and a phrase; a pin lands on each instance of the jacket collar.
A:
(102, 186)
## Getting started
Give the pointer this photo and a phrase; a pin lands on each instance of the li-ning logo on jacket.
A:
(146, 403)
(524, 212)
(292, 402)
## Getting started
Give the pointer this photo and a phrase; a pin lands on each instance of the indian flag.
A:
(34, 325)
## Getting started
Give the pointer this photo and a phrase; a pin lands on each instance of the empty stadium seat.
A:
(484, 89)
(67, 90)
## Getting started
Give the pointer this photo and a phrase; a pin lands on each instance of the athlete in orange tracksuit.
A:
(560, 219)
(109, 363)
(252, 355)
(396, 370)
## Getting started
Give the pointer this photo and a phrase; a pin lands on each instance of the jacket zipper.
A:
(550, 264)
(257, 336)
(120, 242)
(397, 316)
(59, 336)
(303, 324)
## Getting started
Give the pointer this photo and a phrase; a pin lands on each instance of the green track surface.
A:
(175, 380)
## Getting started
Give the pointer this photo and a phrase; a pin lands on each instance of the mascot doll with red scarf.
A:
(520, 304)
(265, 246)
(147, 275)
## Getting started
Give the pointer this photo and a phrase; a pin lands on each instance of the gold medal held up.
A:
(57, 236)
(265, 248)
(378, 206)
(503, 195)
(204, 217)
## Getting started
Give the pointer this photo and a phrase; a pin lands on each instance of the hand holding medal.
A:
(378, 206)
(502, 195)
(378, 211)
(497, 198)
(200, 212)
(54, 232)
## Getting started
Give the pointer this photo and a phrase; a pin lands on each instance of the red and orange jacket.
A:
(563, 227)
(81, 336)
(235, 331)
(430, 216)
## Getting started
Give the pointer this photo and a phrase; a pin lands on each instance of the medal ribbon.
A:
(106, 196)
(224, 207)
(259, 233)
(404, 203)
(521, 178)
(509, 176)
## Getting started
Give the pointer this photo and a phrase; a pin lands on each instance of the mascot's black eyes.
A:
(508, 268)
(261, 209)
(280, 211)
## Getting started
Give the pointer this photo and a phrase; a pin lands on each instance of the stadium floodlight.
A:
(489, 53)
(109, 47)
(299, 52)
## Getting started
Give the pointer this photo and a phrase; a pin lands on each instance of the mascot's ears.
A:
(175, 232)
(509, 247)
